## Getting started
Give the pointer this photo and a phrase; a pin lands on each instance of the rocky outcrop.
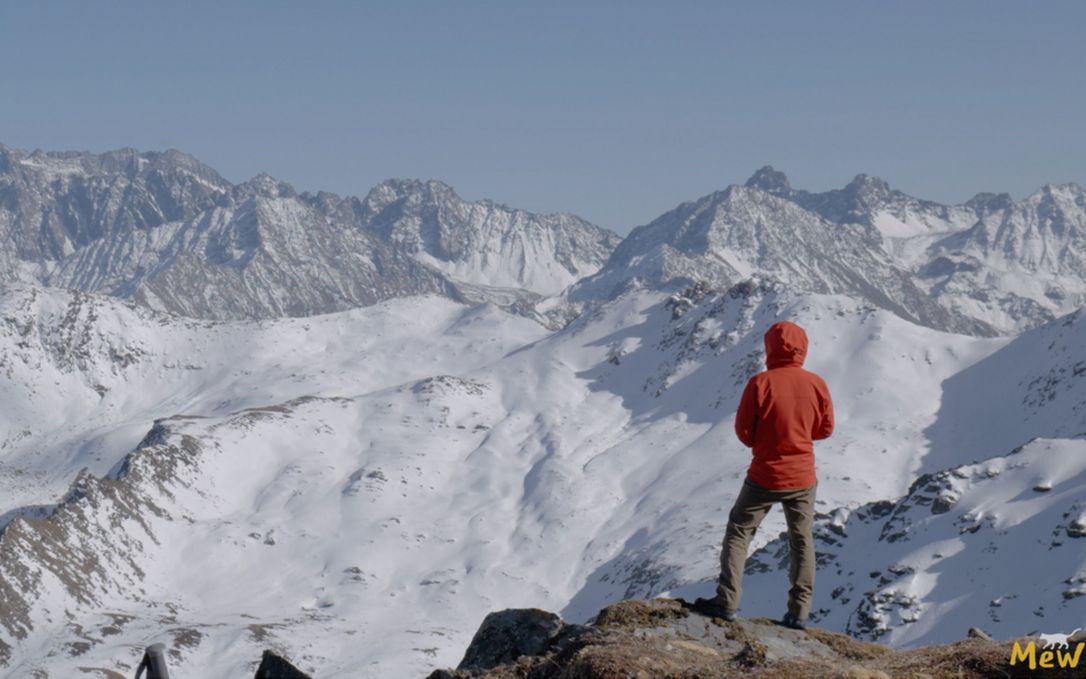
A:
(507, 635)
(666, 638)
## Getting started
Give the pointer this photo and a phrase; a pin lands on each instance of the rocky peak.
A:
(7, 157)
(266, 186)
(868, 190)
(82, 216)
(990, 202)
(124, 162)
(408, 191)
(172, 160)
(417, 216)
(769, 180)
(856, 203)
(1068, 194)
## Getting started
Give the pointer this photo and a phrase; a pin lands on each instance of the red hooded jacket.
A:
(782, 411)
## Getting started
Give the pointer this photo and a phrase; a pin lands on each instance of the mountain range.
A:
(170, 233)
(987, 267)
(237, 417)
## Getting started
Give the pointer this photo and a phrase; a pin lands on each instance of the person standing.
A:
(784, 409)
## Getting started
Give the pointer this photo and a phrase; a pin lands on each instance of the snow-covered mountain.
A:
(484, 243)
(370, 483)
(170, 233)
(1019, 264)
(359, 488)
(731, 235)
(989, 266)
(1011, 264)
(95, 487)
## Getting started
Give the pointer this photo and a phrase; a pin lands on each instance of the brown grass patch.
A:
(847, 647)
(636, 613)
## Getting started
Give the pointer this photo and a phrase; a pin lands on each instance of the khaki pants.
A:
(753, 503)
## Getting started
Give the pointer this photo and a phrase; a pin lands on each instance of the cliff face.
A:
(665, 638)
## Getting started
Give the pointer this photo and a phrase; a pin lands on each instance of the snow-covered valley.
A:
(360, 489)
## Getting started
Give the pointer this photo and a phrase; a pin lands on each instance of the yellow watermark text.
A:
(1046, 659)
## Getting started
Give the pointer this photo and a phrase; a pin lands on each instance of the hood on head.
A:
(785, 345)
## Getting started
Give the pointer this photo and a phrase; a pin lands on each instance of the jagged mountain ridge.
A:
(989, 266)
(1020, 263)
(485, 243)
(730, 235)
(169, 232)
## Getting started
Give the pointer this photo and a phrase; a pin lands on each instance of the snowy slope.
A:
(1000, 544)
(1034, 387)
(948, 554)
(381, 494)
(86, 376)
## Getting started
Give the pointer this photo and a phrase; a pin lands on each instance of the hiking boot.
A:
(714, 608)
(792, 622)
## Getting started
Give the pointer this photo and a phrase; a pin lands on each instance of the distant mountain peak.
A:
(867, 184)
(1069, 188)
(401, 185)
(397, 189)
(128, 162)
(770, 180)
(268, 186)
(990, 202)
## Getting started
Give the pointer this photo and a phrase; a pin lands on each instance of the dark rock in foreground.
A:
(507, 635)
(273, 666)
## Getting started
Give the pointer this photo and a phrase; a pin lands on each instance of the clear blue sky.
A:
(616, 111)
